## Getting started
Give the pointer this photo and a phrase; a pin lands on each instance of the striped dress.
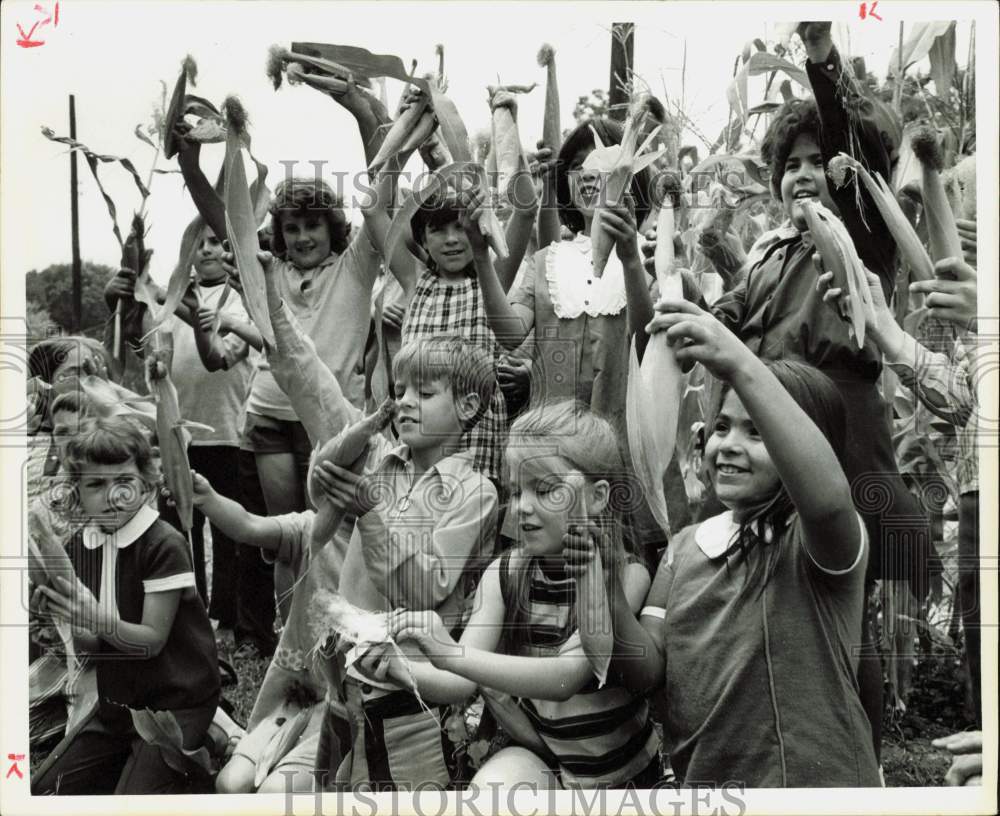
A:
(599, 737)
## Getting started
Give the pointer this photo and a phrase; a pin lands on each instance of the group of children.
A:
(439, 549)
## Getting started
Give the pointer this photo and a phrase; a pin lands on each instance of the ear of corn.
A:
(910, 247)
(654, 388)
(241, 229)
(551, 131)
(348, 451)
(47, 549)
(620, 163)
(171, 434)
(420, 133)
(942, 233)
(841, 258)
(160, 729)
(506, 146)
(400, 132)
(593, 612)
(280, 744)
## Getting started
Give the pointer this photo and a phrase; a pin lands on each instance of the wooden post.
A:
(622, 50)
(75, 225)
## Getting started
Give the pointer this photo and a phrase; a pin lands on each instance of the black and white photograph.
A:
(461, 407)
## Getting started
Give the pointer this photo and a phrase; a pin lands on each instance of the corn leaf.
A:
(93, 159)
(917, 45)
(452, 128)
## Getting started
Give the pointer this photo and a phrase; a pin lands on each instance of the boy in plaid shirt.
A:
(447, 301)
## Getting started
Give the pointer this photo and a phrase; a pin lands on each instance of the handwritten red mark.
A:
(13, 768)
(869, 12)
(26, 40)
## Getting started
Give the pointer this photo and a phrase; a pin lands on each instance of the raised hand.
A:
(699, 337)
(471, 219)
(619, 222)
(952, 294)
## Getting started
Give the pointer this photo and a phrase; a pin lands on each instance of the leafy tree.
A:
(50, 293)
(592, 106)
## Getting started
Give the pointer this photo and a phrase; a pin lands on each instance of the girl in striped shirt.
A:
(522, 642)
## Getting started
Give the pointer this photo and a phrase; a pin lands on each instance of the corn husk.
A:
(172, 431)
(551, 130)
(654, 389)
(207, 125)
(281, 742)
(48, 558)
(840, 257)
(160, 729)
(241, 229)
(109, 399)
(593, 610)
(315, 68)
(620, 163)
(346, 450)
(910, 246)
(506, 146)
(401, 132)
(942, 234)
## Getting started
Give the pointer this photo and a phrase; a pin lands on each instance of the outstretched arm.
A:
(805, 462)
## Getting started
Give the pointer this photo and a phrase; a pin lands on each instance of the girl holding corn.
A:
(751, 625)
(778, 313)
(134, 606)
(572, 725)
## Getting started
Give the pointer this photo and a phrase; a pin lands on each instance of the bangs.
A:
(109, 442)
(441, 209)
(526, 459)
(420, 363)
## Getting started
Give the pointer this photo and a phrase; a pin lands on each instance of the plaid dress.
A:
(456, 308)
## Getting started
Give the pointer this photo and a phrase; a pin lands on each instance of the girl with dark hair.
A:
(753, 622)
(134, 607)
(581, 322)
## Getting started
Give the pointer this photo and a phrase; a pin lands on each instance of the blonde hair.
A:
(541, 441)
(465, 367)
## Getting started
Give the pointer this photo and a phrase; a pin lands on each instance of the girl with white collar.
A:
(753, 623)
(134, 607)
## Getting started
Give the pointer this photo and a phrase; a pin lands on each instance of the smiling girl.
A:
(134, 607)
(753, 622)
(523, 637)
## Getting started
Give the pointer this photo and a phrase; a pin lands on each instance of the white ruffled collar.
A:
(573, 288)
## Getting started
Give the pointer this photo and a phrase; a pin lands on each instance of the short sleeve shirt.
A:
(213, 398)
(185, 674)
(331, 303)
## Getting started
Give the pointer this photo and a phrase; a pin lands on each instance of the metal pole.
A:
(622, 49)
(75, 225)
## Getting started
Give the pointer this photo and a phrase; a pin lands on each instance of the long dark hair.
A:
(609, 132)
(759, 541)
